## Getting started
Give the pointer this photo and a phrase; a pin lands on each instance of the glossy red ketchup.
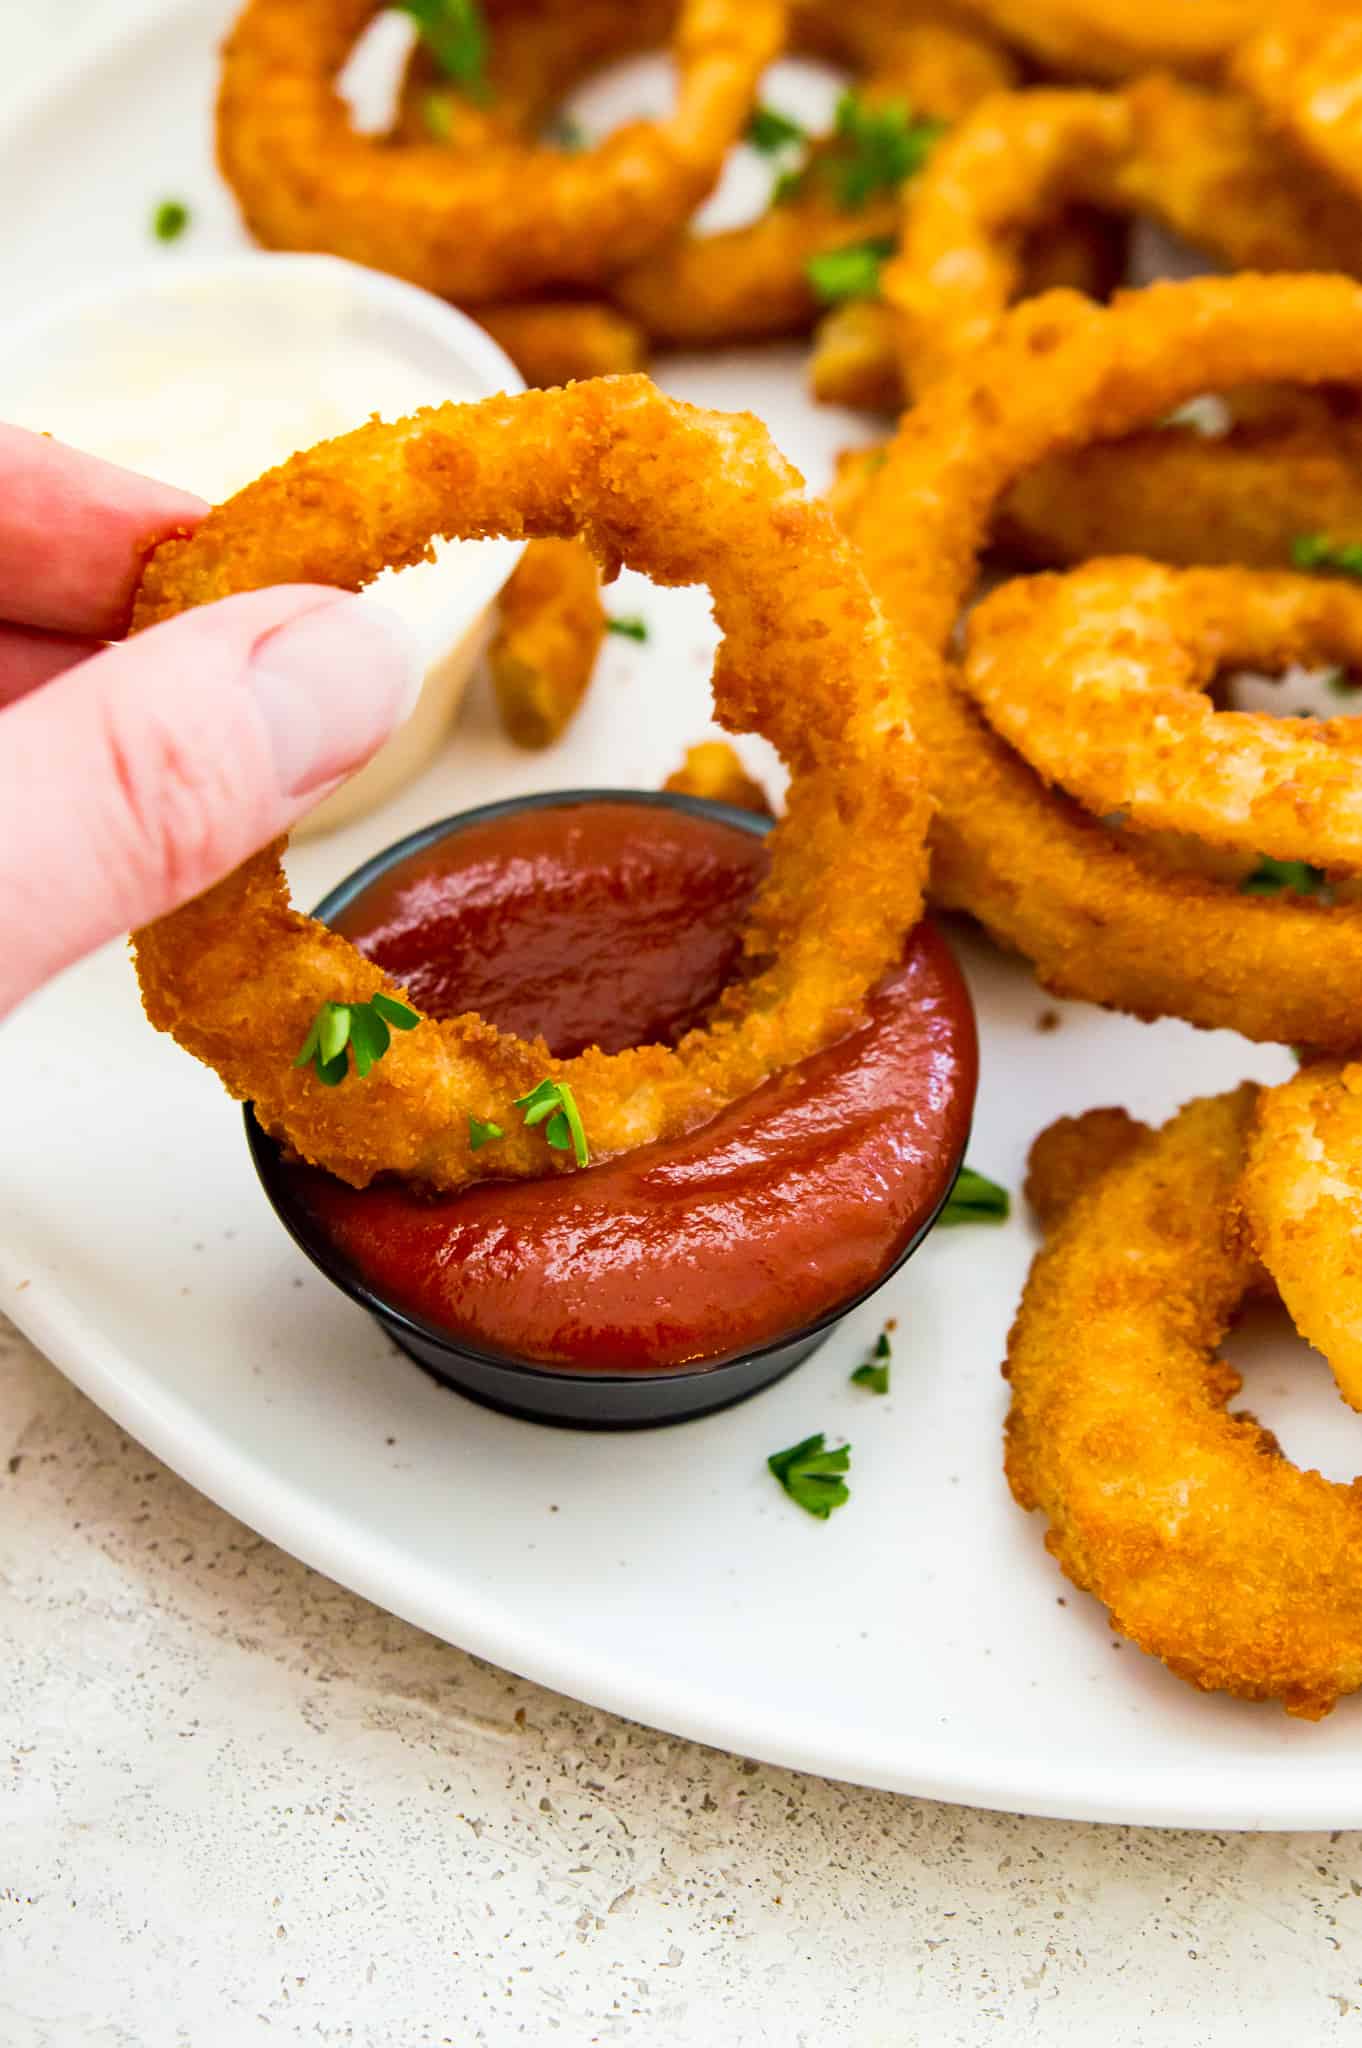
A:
(615, 924)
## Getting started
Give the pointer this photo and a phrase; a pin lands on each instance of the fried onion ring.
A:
(1097, 678)
(1302, 1195)
(1100, 917)
(559, 341)
(1100, 39)
(1208, 1547)
(713, 770)
(751, 282)
(1304, 71)
(550, 625)
(495, 220)
(1198, 161)
(1071, 1153)
(806, 658)
(1178, 495)
(855, 349)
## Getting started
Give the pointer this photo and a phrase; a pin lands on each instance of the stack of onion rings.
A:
(237, 976)
(1099, 916)
(752, 281)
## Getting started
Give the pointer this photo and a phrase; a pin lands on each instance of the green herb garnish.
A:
(976, 1199)
(1321, 556)
(480, 1133)
(810, 1475)
(553, 1104)
(362, 1027)
(628, 627)
(852, 272)
(566, 134)
(770, 131)
(456, 35)
(874, 148)
(874, 1374)
(438, 116)
(1280, 877)
(170, 220)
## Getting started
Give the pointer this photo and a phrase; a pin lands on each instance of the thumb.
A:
(135, 780)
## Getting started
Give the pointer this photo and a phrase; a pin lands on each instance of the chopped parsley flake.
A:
(770, 131)
(628, 628)
(1321, 556)
(874, 1374)
(170, 220)
(456, 35)
(480, 1133)
(976, 1199)
(1280, 877)
(554, 1105)
(811, 1475)
(852, 272)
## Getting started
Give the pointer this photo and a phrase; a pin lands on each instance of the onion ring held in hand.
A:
(479, 222)
(1302, 1196)
(1209, 1548)
(1100, 918)
(1098, 679)
(237, 976)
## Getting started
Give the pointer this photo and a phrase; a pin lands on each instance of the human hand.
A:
(132, 777)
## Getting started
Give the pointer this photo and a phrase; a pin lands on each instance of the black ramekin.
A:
(569, 1397)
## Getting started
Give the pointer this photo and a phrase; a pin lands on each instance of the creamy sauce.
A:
(210, 390)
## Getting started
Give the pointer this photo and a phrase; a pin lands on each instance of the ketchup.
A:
(616, 923)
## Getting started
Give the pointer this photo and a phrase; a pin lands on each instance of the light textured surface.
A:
(239, 1804)
(242, 1804)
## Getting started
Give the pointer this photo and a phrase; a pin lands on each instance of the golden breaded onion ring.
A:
(1208, 1547)
(1116, 38)
(495, 220)
(1176, 494)
(1099, 917)
(1304, 72)
(1098, 679)
(557, 341)
(713, 770)
(1198, 161)
(550, 625)
(1302, 1196)
(687, 496)
(752, 282)
(855, 358)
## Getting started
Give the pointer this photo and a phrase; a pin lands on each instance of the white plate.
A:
(921, 1639)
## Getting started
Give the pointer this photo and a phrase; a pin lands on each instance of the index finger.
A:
(74, 533)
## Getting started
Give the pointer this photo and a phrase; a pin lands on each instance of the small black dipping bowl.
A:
(569, 1398)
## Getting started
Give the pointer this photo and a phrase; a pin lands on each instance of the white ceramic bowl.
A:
(208, 372)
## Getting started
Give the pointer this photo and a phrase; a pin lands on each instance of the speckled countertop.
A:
(240, 1804)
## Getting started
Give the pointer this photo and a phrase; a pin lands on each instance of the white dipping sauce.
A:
(216, 393)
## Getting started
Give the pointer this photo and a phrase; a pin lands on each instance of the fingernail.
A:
(331, 686)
